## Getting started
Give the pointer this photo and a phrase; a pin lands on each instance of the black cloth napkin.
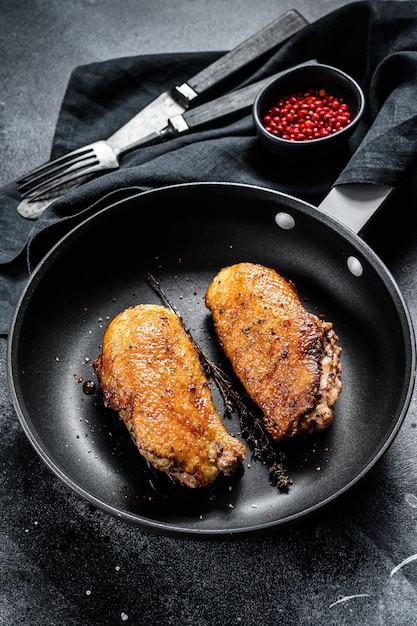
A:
(374, 41)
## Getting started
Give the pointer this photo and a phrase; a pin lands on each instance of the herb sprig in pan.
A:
(251, 424)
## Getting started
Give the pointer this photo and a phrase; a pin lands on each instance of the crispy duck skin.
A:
(149, 371)
(285, 357)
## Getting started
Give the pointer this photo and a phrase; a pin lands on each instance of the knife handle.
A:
(248, 51)
(231, 102)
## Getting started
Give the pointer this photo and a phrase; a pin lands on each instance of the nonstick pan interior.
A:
(183, 235)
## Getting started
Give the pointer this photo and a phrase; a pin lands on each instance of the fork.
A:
(57, 176)
(76, 166)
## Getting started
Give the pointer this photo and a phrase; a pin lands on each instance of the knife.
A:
(205, 114)
(182, 97)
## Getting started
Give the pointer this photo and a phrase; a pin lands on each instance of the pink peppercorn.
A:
(307, 115)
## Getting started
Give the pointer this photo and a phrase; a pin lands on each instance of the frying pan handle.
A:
(354, 204)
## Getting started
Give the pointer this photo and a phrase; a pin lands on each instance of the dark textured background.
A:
(64, 563)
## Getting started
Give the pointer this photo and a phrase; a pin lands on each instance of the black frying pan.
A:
(184, 234)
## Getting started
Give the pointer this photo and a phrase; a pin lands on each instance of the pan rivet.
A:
(355, 266)
(285, 220)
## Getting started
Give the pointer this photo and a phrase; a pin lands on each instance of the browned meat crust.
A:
(285, 357)
(150, 372)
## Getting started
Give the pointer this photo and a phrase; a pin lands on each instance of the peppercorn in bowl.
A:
(309, 111)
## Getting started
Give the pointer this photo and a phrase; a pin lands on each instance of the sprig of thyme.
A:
(252, 427)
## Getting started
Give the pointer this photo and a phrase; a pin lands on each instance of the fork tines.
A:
(57, 173)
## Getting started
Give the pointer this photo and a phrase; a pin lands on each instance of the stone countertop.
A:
(66, 563)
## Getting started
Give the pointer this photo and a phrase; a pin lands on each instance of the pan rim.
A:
(164, 527)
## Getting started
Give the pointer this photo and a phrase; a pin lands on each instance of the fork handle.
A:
(248, 51)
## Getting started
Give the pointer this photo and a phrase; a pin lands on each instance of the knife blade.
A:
(179, 99)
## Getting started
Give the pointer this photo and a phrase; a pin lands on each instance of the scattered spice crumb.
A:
(406, 561)
(347, 598)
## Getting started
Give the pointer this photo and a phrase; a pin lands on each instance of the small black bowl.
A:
(311, 76)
